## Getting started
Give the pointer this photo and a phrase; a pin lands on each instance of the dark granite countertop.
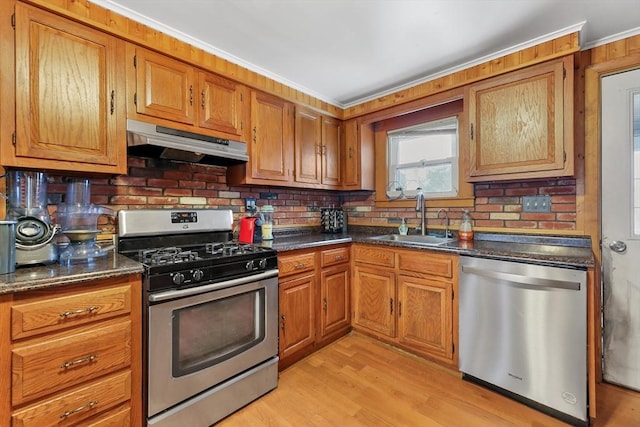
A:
(27, 278)
(561, 251)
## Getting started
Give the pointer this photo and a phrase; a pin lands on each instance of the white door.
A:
(621, 228)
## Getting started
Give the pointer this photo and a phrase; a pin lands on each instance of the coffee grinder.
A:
(27, 204)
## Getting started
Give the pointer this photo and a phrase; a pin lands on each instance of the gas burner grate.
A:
(172, 255)
(228, 249)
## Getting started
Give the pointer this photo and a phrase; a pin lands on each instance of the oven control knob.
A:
(197, 275)
(178, 278)
(263, 263)
(249, 265)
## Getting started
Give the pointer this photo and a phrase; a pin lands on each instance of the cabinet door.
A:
(165, 88)
(334, 299)
(357, 156)
(297, 329)
(425, 315)
(271, 143)
(70, 110)
(374, 300)
(308, 146)
(222, 106)
(331, 145)
(521, 123)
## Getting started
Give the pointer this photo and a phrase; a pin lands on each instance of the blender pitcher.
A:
(78, 219)
(27, 204)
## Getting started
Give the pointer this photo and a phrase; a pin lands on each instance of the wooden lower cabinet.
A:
(314, 300)
(297, 320)
(72, 354)
(407, 298)
(374, 294)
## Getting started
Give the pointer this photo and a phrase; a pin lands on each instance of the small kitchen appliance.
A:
(210, 318)
(250, 230)
(332, 220)
(78, 218)
(27, 204)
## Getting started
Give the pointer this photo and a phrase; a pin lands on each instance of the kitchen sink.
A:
(416, 239)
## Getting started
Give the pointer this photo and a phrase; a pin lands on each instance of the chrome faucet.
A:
(447, 232)
(421, 202)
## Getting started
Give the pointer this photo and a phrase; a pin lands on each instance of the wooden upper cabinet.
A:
(70, 107)
(221, 105)
(308, 146)
(317, 148)
(165, 88)
(521, 123)
(357, 156)
(177, 95)
(331, 145)
(272, 138)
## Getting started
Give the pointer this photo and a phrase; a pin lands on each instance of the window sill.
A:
(453, 202)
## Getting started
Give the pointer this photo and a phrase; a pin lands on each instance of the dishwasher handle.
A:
(523, 281)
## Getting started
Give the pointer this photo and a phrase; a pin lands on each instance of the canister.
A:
(7, 246)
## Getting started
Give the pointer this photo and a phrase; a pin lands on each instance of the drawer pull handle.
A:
(300, 265)
(338, 257)
(86, 359)
(81, 408)
(87, 310)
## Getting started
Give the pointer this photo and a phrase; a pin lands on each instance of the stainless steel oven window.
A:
(233, 325)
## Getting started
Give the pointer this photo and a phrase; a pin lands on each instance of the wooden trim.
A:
(96, 16)
(134, 32)
(552, 49)
(608, 59)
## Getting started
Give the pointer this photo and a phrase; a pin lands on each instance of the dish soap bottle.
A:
(465, 232)
(403, 228)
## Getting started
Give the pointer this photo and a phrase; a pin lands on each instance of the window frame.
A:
(454, 160)
(435, 107)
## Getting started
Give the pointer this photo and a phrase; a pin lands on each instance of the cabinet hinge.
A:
(471, 131)
(564, 157)
(241, 97)
(135, 61)
(135, 98)
(453, 348)
(13, 21)
(453, 295)
(564, 73)
(13, 138)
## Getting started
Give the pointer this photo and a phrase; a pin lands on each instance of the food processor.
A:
(27, 204)
(78, 219)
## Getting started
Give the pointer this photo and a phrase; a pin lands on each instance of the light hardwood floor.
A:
(357, 381)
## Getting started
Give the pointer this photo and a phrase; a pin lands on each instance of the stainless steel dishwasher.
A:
(523, 332)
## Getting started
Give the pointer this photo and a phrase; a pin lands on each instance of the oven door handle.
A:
(164, 296)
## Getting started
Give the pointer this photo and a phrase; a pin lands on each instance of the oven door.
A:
(198, 341)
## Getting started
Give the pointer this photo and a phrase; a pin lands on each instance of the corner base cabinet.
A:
(314, 300)
(71, 355)
(407, 298)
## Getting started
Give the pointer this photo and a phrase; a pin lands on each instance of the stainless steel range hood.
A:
(149, 140)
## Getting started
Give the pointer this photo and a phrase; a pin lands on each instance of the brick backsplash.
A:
(162, 184)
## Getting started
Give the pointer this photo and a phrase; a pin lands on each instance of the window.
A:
(424, 156)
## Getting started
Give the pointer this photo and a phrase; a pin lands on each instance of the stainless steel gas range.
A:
(210, 314)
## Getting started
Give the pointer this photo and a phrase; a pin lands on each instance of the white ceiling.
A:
(349, 51)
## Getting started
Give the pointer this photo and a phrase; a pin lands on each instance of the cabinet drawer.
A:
(48, 365)
(426, 263)
(47, 313)
(293, 264)
(77, 405)
(334, 256)
(383, 257)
